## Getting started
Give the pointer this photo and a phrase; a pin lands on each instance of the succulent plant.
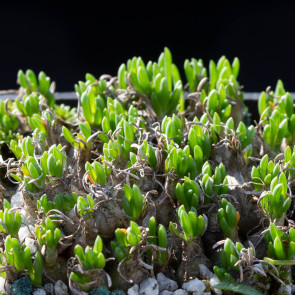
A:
(159, 81)
(90, 260)
(276, 202)
(133, 201)
(10, 222)
(188, 193)
(49, 236)
(31, 84)
(138, 166)
(264, 173)
(193, 226)
(19, 256)
(280, 245)
(228, 219)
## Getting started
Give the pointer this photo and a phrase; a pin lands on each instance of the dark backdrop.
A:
(68, 41)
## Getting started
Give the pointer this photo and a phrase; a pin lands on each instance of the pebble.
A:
(3, 285)
(180, 292)
(23, 233)
(195, 285)
(149, 287)
(17, 200)
(288, 289)
(285, 290)
(60, 288)
(205, 272)
(198, 293)
(39, 291)
(134, 290)
(166, 283)
(31, 244)
(49, 288)
(214, 281)
(165, 292)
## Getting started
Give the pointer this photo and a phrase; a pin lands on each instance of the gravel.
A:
(134, 290)
(195, 285)
(149, 287)
(166, 283)
(60, 288)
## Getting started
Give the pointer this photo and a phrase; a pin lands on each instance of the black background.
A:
(68, 40)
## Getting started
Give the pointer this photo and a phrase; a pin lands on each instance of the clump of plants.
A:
(151, 173)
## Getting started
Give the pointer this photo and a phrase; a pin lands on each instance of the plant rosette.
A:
(89, 272)
(141, 246)
(193, 227)
(141, 162)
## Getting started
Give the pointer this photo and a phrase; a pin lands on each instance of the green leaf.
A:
(85, 102)
(236, 67)
(16, 177)
(100, 261)
(67, 134)
(213, 74)
(201, 225)
(143, 79)
(135, 230)
(164, 93)
(237, 288)
(17, 223)
(35, 170)
(99, 171)
(163, 242)
(231, 215)
(242, 131)
(78, 250)
(120, 253)
(131, 239)
(263, 166)
(279, 249)
(135, 82)
(189, 75)
(44, 83)
(138, 200)
(279, 262)
(292, 234)
(121, 236)
(283, 129)
(36, 122)
(128, 192)
(216, 123)
(288, 101)
(167, 67)
(185, 223)
(262, 103)
(277, 192)
(31, 77)
(230, 123)
(152, 231)
(226, 113)
(122, 76)
(21, 79)
(37, 279)
(212, 102)
(194, 223)
(86, 129)
(162, 234)
(51, 165)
